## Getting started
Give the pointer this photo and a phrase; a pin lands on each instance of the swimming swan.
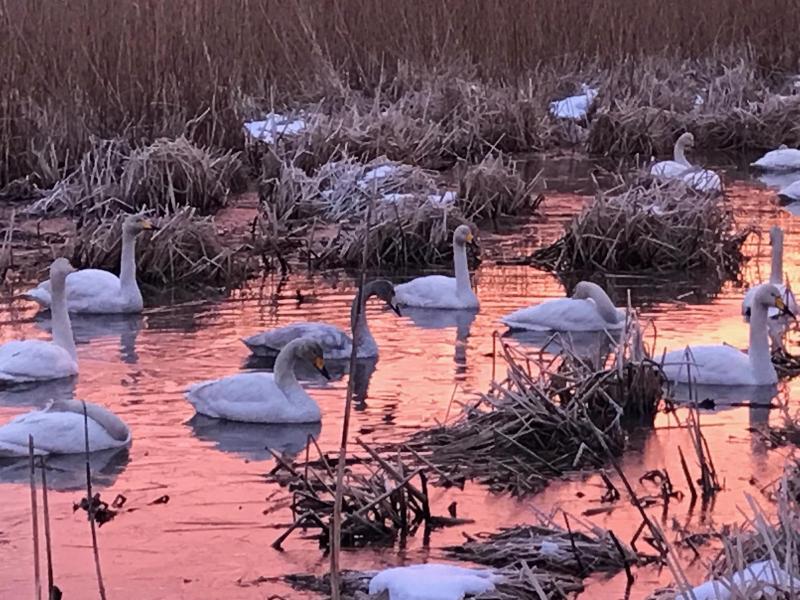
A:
(23, 361)
(791, 192)
(782, 159)
(263, 397)
(101, 292)
(679, 168)
(335, 343)
(438, 291)
(589, 309)
(59, 429)
(725, 365)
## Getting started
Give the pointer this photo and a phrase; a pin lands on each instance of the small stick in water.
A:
(35, 514)
(53, 593)
(90, 504)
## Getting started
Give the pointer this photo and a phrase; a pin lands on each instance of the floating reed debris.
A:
(660, 228)
(537, 425)
(787, 365)
(382, 498)
(164, 176)
(550, 547)
(185, 249)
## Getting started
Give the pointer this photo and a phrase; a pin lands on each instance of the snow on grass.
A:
(432, 582)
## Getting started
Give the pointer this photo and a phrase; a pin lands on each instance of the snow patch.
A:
(275, 126)
(432, 582)
(574, 107)
(760, 576)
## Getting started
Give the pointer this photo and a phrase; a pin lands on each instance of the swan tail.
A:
(39, 295)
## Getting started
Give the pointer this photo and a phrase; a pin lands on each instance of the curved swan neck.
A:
(679, 154)
(358, 318)
(605, 307)
(758, 352)
(127, 266)
(284, 368)
(463, 285)
(62, 328)
(776, 272)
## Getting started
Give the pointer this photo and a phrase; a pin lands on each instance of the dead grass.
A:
(185, 250)
(656, 228)
(493, 188)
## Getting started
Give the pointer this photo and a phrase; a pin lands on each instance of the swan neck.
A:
(62, 327)
(758, 352)
(284, 371)
(463, 285)
(127, 267)
(679, 154)
(358, 321)
(605, 307)
(776, 272)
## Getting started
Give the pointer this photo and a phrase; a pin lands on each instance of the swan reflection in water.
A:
(759, 399)
(337, 369)
(435, 318)
(38, 394)
(86, 328)
(251, 440)
(67, 472)
(593, 346)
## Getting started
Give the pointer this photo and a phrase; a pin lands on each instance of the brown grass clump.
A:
(165, 176)
(536, 426)
(184, 250)
(661, 228)
(493, 188)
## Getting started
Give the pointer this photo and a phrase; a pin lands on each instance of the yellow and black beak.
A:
(781, 305)
(319, 364)
(148, 224)
(470, 238)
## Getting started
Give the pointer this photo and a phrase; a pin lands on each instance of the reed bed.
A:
(550, 547)
(493, 188)
(539, 424)
(164, 176)
(185, 250)
(657, 228)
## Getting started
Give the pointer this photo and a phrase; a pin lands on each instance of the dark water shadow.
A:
(67, 472)
(38, 394)
(759, 398)
(251, 440)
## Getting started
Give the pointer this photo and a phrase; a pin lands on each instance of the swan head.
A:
(587, 289)
(384, 290)
(135, 224)
(769, 296)
(686, 141)
(463, 235)
(60, 268)
(312, 352)
(775, 235)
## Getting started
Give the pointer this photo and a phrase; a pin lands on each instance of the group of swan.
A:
(254, 397)
(785, 161)
(680, 169)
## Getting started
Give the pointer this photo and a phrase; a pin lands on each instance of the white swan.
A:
(775, 277)
(335, 343)
(679, 168)
(790, 193)
(574, 107)
(438, 291)
(782, 159)
(589, 309)
(101, 292)
(263, 397)
(725, 365)
(59, 429)
(23, 361)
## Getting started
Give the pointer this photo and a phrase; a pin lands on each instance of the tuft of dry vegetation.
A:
(538, 424)
(184, 250)
(492, 188)
(660, 228)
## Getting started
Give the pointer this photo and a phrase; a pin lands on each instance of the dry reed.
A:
(186, 249)
(661, 228)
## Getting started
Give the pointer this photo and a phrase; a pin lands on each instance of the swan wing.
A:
(251, 398)
(35, 360)
(668, 169)
(783, 159)
(561, 314)
(335, 342)
(791, 192)
(710, 365)
(431, 291)
(54, 432)
(703, 180)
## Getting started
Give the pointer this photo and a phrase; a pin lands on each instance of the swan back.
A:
(111, 423)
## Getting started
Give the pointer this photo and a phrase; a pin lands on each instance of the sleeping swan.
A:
(59, 429)
(589, 309)
(438, 291)
(781, 160)
(679, 168)
(101, 292)
(725, 365)
(263, 397)
(335, 343)
(24, 361)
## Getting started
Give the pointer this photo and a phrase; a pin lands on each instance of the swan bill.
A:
(319, 364)
(781, 305)
(395, 308)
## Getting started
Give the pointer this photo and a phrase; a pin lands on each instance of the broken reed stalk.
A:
(336, 523)
(90, 506)
(35, 515)
(51, 588)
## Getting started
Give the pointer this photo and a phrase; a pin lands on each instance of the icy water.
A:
(212, 538)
